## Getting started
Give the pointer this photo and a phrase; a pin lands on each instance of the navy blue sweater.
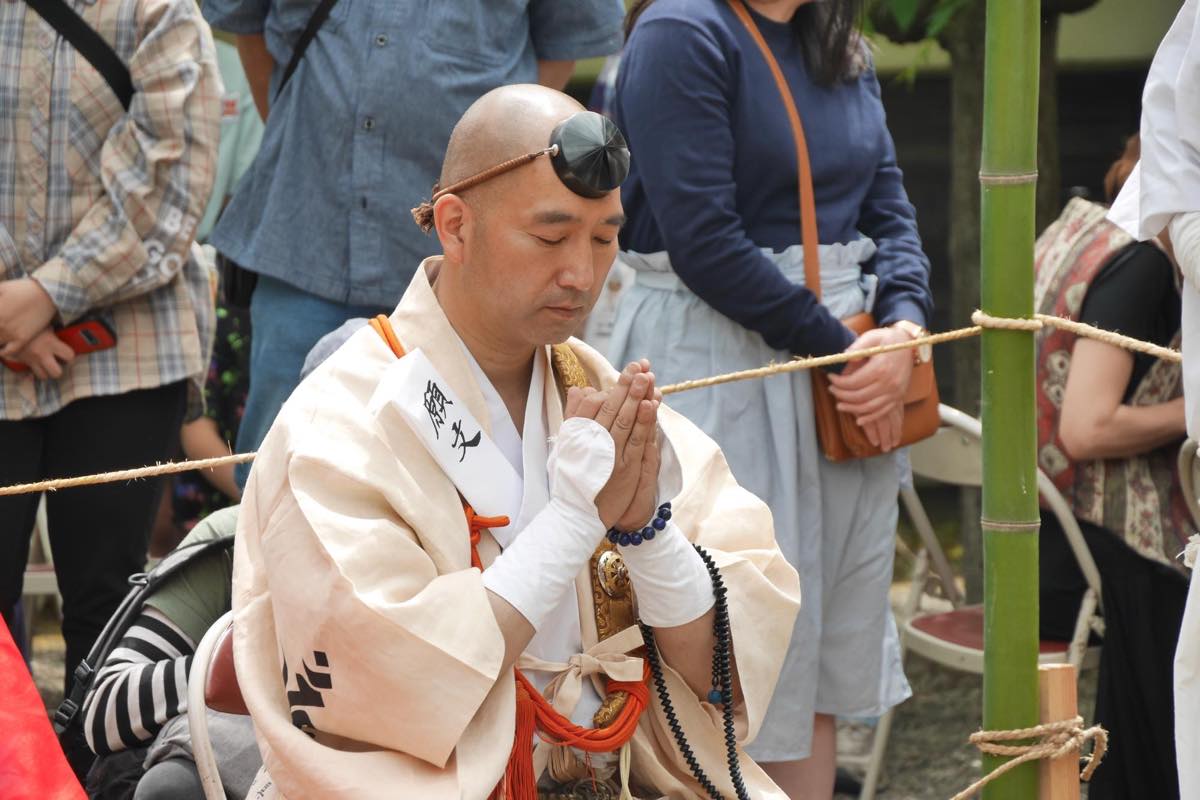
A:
(714, 172)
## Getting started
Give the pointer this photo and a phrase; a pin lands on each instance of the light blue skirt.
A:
(835, 523)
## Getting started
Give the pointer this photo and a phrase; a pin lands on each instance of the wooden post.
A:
(1059, 779)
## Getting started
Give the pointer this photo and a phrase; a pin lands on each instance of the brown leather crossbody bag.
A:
(840, 436)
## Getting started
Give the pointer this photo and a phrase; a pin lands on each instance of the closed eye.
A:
(549, 242)
(602, 241)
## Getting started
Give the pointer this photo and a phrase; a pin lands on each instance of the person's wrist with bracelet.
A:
(669, 579)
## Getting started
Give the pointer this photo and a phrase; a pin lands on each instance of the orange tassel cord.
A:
(535, 714)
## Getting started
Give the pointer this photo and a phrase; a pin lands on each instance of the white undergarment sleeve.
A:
(670, 581)
(1185, 241)
(540, 566)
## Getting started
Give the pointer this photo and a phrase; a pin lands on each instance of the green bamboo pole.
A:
(1010, 498)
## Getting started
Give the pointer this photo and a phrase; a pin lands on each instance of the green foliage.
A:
(918, 19)
(904, 12)
(925, 52)
(941, 15)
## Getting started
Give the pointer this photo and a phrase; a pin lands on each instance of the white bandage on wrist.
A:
(669, 579)
(535, 572)
(1185, 241)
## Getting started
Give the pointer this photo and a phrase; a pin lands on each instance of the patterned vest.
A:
(1140, 498)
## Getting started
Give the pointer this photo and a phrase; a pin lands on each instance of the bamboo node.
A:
(1009, 527)
(1057, 739)
(1007, 179)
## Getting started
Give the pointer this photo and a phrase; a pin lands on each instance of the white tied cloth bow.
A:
(609, 657)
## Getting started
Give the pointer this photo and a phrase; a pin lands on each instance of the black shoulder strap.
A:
(88, 44)
(143, 584)
(319, 15)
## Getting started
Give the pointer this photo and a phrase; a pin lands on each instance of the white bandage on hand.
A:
(669, 579)
(1185, 241)
(536, 571)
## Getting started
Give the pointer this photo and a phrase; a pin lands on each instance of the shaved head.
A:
(524, 255)
(505, 123)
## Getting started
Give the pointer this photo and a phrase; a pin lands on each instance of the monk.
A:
(473, 559)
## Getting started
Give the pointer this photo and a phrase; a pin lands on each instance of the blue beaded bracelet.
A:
(646, 534)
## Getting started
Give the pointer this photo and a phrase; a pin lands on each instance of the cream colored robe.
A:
(352, 572)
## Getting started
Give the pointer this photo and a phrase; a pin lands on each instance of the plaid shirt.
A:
(99, 205)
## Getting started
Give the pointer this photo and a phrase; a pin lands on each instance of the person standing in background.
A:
(98, 214)
(241, 131)
(714, 237)
(1110, 423)
(358, 131)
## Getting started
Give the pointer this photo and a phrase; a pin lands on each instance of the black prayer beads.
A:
(721, 693)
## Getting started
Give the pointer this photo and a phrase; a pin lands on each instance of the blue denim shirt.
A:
(356, 138)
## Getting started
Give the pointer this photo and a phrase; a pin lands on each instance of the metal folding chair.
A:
(954, 638)
(212, 683)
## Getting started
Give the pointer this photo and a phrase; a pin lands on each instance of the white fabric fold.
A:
(1185, 241)
(535, 573)
(670, 581)
(1170, 129)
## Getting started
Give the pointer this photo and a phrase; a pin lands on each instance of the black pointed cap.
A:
(592, 157)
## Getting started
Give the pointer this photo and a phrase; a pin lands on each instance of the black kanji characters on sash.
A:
(462, 442)
(435, 402)
(435, 406)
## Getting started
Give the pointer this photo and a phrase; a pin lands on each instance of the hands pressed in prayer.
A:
(629, 411)
(873, 389)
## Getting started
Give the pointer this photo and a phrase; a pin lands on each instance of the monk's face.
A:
(536, 255)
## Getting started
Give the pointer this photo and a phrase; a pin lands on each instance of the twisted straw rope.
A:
(1057, 739)
(169, 468)
(980, 320)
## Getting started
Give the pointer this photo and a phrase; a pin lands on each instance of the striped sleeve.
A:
(141, 685)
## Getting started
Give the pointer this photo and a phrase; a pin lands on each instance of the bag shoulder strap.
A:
(319, 15)
(143, 585)
(809, 236)
(89, 44)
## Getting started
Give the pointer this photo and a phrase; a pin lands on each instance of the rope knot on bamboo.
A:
(1005, 323)
(1056, 739)
(1039, 321)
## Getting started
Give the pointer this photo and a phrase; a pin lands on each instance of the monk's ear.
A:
(450, 217)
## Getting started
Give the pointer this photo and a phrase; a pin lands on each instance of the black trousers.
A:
(98, 534)
(1143, 610)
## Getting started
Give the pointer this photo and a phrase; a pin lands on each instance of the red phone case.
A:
(85, 336)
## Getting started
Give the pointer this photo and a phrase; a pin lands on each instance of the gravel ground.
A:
(928, 756)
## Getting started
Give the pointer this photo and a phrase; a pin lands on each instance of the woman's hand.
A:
(45, 355)
(25, 312)
(872, 390)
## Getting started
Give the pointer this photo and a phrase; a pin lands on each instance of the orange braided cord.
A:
(560, 730)
(383, 326)
(477, 524)
(534, 711)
